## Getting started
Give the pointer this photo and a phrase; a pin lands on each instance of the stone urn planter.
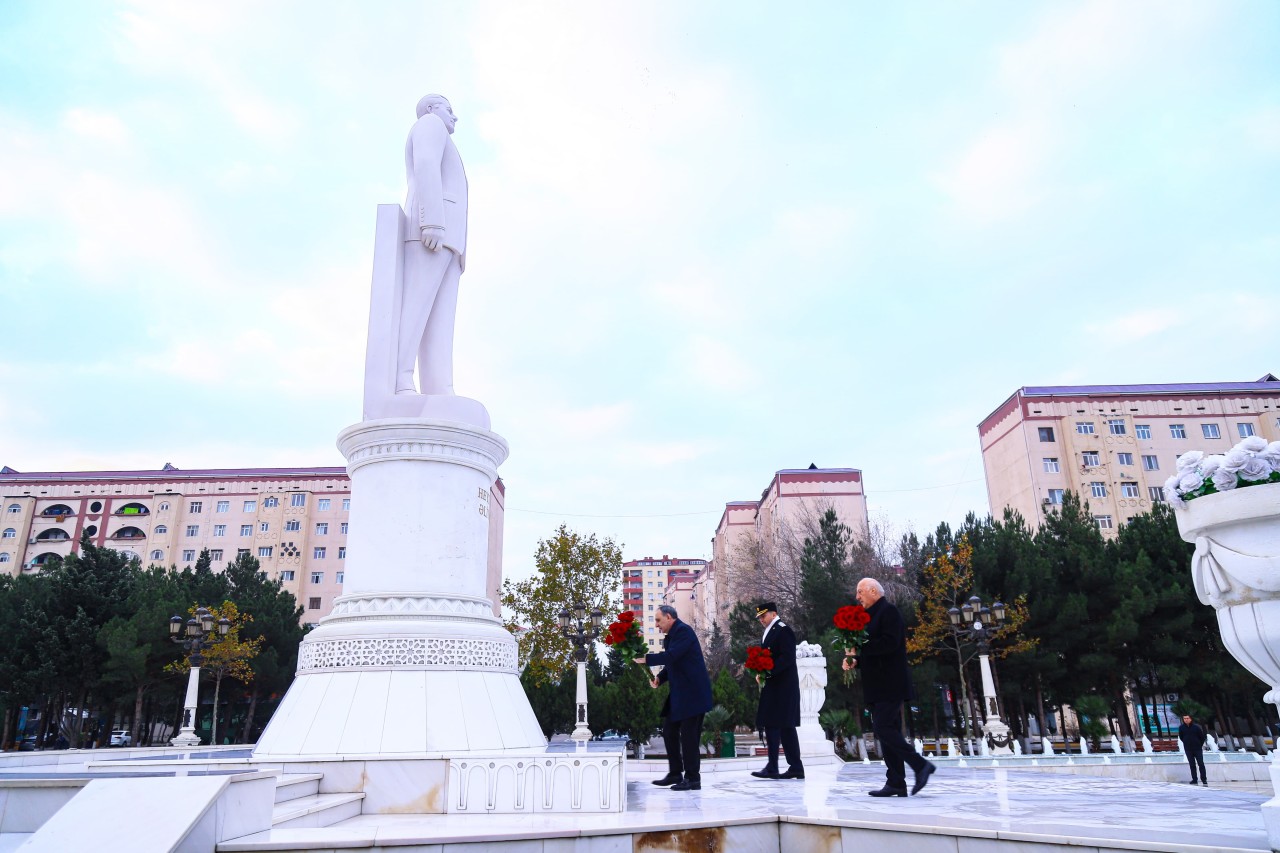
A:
(1236, 570)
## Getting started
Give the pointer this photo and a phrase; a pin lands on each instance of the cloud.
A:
(1126, 329)
(96, 125)
(1001, 173)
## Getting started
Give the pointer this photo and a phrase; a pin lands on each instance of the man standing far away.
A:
(886, 684)
(779, 711)
(1193, 739)
(690, 698)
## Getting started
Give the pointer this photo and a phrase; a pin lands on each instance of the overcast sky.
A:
(708, 241)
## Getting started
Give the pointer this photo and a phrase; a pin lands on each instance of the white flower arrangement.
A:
(1252, 462)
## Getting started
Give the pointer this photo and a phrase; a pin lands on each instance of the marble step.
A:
(315, 810)
(294, 785)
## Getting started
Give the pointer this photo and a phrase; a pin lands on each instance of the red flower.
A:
(626, 616)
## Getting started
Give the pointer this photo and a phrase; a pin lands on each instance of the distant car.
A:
(121, 737)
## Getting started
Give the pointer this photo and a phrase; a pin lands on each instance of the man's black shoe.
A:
(886, 791)
(792, 773)
(669, 779)
(765, 774)
(922, 776)
(687, 785)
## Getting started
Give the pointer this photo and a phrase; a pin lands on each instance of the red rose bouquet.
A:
(624, 635)
(851, 626)
(760, 662)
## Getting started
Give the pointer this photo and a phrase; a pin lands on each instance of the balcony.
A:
(58, 511)
(132, 509)
(128, 534)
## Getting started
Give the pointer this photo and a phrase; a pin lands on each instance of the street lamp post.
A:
(195, 635)
(975, 621)
(581, 629)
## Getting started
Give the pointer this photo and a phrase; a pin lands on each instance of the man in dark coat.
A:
(690, 698)
(1193, 739)
(886, 684)
(779, 710)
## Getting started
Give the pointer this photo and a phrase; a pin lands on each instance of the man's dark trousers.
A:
(1195, 757)
(886, 723)
(683, 739)
(790, 741)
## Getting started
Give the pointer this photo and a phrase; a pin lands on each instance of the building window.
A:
(1142, 430)
(1084, 427)
(341, 577)
(15, 508)
(9, 533)
(157, 555)
(1210, 431)
(297, 500)
(292, 525)
(160, 528)
(1177, 430)
(1099, 489)
(342, 528)
(188, 555)
(1124, 458)
(219, 530)
(164, 506)
(346, 504)
(193, 530)
(1156, 494)
(1116, 426)
(1245, 430)
(1046, 433)
(317, 577)
(250, 506)
(246, 530)
(1150, 463)
(1051, 465)
(264, 527)
(313, 604)
(322, 528)
(195, 507)
(242, 552)
(322, 505)
(270, 503)
(1089, 459)
(1055, 496)
(317, 553)
(223, 506)
(1128, 490)
(286, 575)
(1104, 522)
(264, 551)
(342, 552)
(216, 555)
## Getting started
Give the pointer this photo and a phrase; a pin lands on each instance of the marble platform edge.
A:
(373, 837)
(1100, 842)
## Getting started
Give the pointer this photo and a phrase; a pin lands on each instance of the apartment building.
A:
(294, 520)
(648, 582)
(786, 512)
(1114, 445)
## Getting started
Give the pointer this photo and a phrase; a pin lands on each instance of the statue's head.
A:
(439, 106)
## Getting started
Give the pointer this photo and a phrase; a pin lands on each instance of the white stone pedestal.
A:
(811, 667)
(412, 661)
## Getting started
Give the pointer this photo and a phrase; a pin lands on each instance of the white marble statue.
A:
(435, 249)
(419, 255)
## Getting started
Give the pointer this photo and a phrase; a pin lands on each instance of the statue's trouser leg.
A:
(435, 356)
(424, 270)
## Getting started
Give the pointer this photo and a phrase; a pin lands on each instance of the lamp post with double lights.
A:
(975, 622)
(581, 629)
(195, 635)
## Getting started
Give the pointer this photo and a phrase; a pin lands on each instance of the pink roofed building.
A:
(293, 520)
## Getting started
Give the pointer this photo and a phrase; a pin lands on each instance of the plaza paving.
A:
(962, 811)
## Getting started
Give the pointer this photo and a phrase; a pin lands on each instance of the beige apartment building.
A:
(778, 522)
(648, 582)
(1113, 445)
(294, 520)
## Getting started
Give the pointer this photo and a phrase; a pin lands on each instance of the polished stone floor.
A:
(982, 803)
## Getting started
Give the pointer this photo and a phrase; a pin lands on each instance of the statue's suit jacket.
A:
(437, 185)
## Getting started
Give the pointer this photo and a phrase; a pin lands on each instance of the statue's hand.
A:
(432, 237)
